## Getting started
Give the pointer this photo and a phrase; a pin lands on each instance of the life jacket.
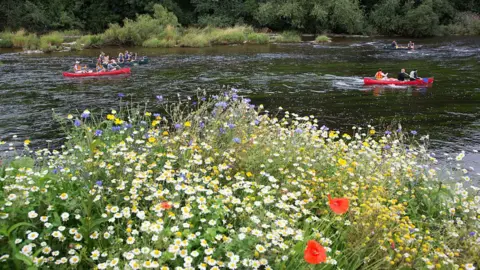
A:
(77, 67)
(379, 75)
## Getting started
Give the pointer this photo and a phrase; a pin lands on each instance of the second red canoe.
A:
(372, 81)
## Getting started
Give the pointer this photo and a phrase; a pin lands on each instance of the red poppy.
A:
(338, 205)
(165, 205)
(314, 253)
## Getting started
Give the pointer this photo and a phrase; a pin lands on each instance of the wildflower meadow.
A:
(218, 183)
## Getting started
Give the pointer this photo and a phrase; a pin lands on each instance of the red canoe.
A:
(95, 74)
(424, 81)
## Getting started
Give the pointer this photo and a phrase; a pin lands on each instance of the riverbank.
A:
(214, 182)
(191, 37)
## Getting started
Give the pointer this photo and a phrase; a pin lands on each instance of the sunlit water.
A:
(323, 80)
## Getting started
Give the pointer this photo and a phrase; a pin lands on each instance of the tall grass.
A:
(322, 39)
(6, 39)
(258, 38)
(27, 41)
(51, 41)
(288, 37)
(194, 37)
(91, 41)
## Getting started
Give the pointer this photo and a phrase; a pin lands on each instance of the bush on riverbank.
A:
(288, 37)
(51, 41)
(220, 183)
(465, 24)
(322, 39)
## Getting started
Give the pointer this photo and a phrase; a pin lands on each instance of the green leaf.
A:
(20, 224)
(25, 259)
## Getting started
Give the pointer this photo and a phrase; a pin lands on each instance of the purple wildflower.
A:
(120, 95)
(257, 122)
(472, 233)
(386, 147)
(77, 123)
(178, 126)
(222, 131)
(298, 130)
(324, 128)
(202, 125)
(231, 126)
(85, 115)
(246, 100)
(156, 114)
(116, 128)
(159, 98)
(222, 104)
(388, 132)
(414, 132)
(399, 130)
(99, 183)
(237, 140)
(203, 98)
(98, 132)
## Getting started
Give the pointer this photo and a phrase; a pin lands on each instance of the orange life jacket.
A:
(379, 75)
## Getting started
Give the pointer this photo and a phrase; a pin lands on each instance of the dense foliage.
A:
(216, 183)
(403, 17)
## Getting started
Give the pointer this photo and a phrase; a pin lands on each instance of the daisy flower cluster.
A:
(218, 183)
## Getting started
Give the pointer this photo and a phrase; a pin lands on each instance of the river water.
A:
(324, 80)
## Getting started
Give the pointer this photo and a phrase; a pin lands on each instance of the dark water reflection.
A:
(324, 80)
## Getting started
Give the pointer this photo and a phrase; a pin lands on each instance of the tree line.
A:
(389, 17)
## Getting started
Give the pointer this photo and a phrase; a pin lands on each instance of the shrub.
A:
(288, 37)
(26, 41)
(195, 39)
(230, 35)
(6, 40)
(91, 41)
(258, 38)
(322, 39)
(51, 41)
(159, 43)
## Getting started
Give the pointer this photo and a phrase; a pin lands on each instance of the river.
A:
(323, 80)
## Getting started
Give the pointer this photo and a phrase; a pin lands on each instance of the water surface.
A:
(323, 80)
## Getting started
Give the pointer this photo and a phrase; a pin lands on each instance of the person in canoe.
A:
(411, 45)
(111, 66)
(402, 76)
(101, 57)
(106, 60)
(77, 68)
(99, 67)
(380, 75)
(394, 44)
(414, 75)
(121, 58)
(127, 56)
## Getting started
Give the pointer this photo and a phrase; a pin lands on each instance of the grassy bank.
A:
(218, 182)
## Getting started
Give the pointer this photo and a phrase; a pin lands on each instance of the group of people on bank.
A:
(402, 76)
(105, 63)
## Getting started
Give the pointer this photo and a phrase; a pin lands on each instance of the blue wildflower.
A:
(399, 130)
(99, 183)
(98, 132)
(231, 126)
(77, 123)
(222, 104)
(215, 97)
(237, 140)
(159, 98)
(127, 126)
(386, 147)
(178, 126)
(257, 122)
(388, 132)
(194, 103)
(298, 130)
(414, 132)
(116, 128)
(85, 115)
(222, 131)
(120, 95)
(472, 233)
(156, 114)
(203, 98)
(246, 100)
(324, 128)
(202, 125)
